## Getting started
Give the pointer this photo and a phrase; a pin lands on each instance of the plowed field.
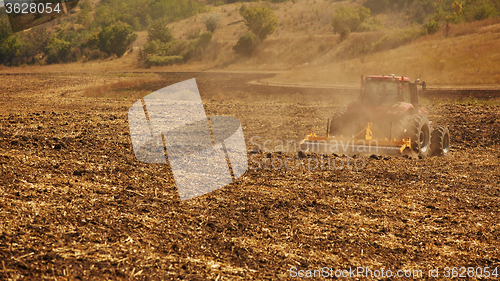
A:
(75, 203)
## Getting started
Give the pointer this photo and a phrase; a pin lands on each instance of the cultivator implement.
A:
(385, 100)
(361, 143)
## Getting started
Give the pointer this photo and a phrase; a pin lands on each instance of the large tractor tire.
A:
(418, 129)
(440, 141)
(338, 123)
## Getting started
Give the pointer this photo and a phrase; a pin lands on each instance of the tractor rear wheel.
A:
(339, 123)
(440, 141)
(418, 129)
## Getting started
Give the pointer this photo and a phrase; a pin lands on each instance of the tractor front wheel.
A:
(419, 130)
(440, 141)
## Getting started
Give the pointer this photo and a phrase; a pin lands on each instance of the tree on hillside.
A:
(246, 44)
(212, 22)
(9, 48)
(431, 27)
(158, 30)
(377, 6)
(348, 19)
(384, 6)
(262, 21)
(139, 14)
(58, 50)
(480, 10)
(116, 39)
(204, 40)
(9, 43)
(34, 41)
(84, 16)
(4, 29)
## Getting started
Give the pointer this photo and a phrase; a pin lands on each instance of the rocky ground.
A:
(74, 201)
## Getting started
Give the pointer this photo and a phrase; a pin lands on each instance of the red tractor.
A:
(387, 116)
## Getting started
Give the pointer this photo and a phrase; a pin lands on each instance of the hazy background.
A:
(311, 42)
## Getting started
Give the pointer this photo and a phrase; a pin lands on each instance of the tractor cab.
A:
(386, 95)
(386, 89)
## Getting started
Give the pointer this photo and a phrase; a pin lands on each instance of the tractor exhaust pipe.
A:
(390, 132)
(328, 127)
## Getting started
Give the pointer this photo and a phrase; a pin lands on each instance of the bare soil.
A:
(75, 203)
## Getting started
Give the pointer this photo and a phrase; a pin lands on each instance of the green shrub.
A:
(156, 47)
(481, 11)
(155, 60)
(420, 10)
(377, 6)
(193, 33)
(75, 54)
(84, 18)
(136, 24)
(431, 27)
(177, 47)
(17, 61)
(86, 52)
(58, 51)
(243, 8)
(9, 48)
(174, 10)
(111, 11)
(186, 49)
(189, 52)
(85, 5)
(158, 30)
(204, 41)
(454, 18)
(34, 41)
(350, 18)
(84, 15)
(373, 25)
(262, 21)
(212, 21)
(152, 47)
(247, 44)
(95, 55)
(439, 15)
(4, 29)
(105, 16)
(116, 39)
(344, 33)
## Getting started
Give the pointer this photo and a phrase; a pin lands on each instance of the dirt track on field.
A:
(74, 201)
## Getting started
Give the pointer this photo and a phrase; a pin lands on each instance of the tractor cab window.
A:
(369, 92)
(406, 92)
(381, 90)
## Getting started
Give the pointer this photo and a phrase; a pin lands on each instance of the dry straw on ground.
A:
(75, 203)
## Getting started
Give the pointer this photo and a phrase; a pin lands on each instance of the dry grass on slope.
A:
(307, 50)
(467, 55)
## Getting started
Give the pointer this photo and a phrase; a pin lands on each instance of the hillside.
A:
(305, 50)
(467, 56)
(305, 47)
